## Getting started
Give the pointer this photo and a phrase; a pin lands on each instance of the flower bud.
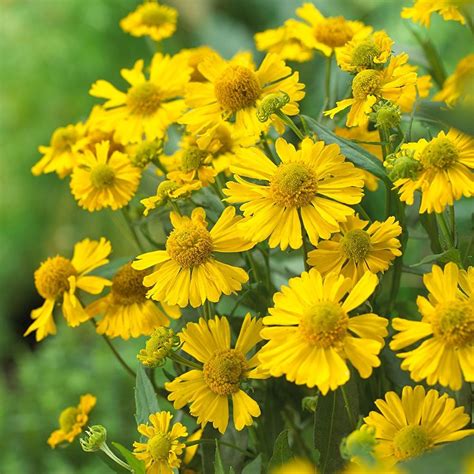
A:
(402, 165)
(158, 347)
(147, 152)
(95, 440)
(271, 104)
(359, 445)
(386, 115)
(310, 403)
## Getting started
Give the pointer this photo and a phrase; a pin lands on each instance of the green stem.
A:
(105, 448)
(181, 360)
(207, 310)
(362, 212)
(132, 229)
(331, 427)
(223, 443)
(452, 223)
(443, 227)
(348, 408)
(327, 98)
(175, 207)
(305, 242)
(288, 121)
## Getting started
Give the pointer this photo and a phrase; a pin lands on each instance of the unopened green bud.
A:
(158, 347)
(402, 165)
(386, 115)
(270, 104)
(310, 403)
(95, 440)
(360, 444)
(148, 152)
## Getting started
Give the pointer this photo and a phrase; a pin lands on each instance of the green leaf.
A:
(137, 465)
(353, 152)
(253, 467)
(145, 397)
(448, 255)
(218, 465)
(281, 451)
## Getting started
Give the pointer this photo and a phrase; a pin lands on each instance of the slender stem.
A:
(181, 360)
(105, 448)
(175, 207)
(362, 212)
(331, 427)
(132, 229)
(443, 227)
(468, 18)
(288, 121)
(328, 80)
(253, 266)
(305, 242)
(267, 149)
(348, 407)
(213, 441)
(452, 222)
(207, 310)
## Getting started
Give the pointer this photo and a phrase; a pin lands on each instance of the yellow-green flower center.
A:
(366, 83)
(356, 244)
(333, 31)
(324, 324)
(192, 158)
(51, 278)
(154, 15)
(147, 152)
(224, 371)
(439, 153)
(159, 446)
(293, 185)
(143, 99)
(454, 322)
(63, 139)
(411, 441)
(190, 245)
(237, 88)
(127, 286)
(67, 419)
(166, 187)
(364, 54)
(102, 176)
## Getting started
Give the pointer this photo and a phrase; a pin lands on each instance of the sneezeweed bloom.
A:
(72, 420)
(61, 155)
(409, 426)
(370, 52)
(210, 389)
(311, 337)
(150, 105)
(194, 57)
(187, 271)
(57, 280)
(103, 179)
(151, 19)
(162, 342)
(234, 91)
(446, 329)
(162, 451)
(422, 10)
(314, 182)
(126, 311)
(357, 249)
(445, 173)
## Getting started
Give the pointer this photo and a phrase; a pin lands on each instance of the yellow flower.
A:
(377, 467)
(162, 450)
(296, 466)
(57, 280)
(194, 57)
(72, 420)
(446, 171)
(314, 183)
(422, 10)
(126, 310)
(409, 426)
(395, 83)
(447, 330)
(311, 336)
(209, 390)
(234, 90)
(61, 155)
(354, 250)
(459, 86)
(187, 272)
(150, 105)
(371, 52)
(151, 19)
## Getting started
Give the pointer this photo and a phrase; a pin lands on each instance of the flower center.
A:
(147, 152)
(324, 324)
(67, 419)
(224, 371)
(192, 158)
(154, 16)
(356, 244)
(364, 54)
(127, 286)
(333, 31)
(143, 99)
(454, 322)
(51, 278)
(102, 176)
(293, 185)
(159, 446)
(366, 83)
(225, 139)
(439, 153)
(190, 245)
(166, 187)
(63, 139)
(237, 88)
(411, 441)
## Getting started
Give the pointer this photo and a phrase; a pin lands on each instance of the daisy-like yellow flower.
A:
(126, 310)
(100, 180)
(356, 250)
(368, 86)
(187, 271)
(446, 328)
(311, 337)
(151, 19)
(445, 175)
(314, 184)
(150, 105)
(209, 390)
(409, 426)
(72, 420)
(57, 280)
(61, 155)
(194, 57)
(422, 10)
(459, 86)
(163, 448)
(235, 89)
(371, 52)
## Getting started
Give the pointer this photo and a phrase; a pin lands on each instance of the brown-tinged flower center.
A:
(224, 371)
(333, 31)
(364, 54)
(411, 441)
(51, 278)
(102, 176)
(439, 153)
(454, 322)
(143, 99)
(367, 82)
(192, 158)
(356, 244)
(127, 286)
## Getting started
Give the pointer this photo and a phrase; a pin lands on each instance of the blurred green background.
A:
(51, 52)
